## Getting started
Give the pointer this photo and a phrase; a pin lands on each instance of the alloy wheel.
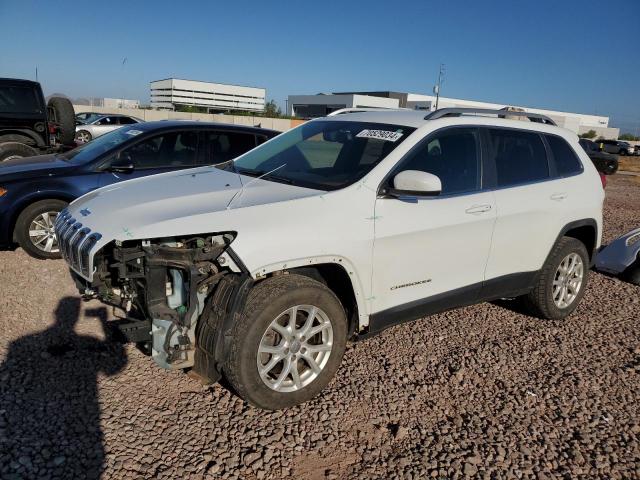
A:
(568, 280)
(42, 234)
(295, 348)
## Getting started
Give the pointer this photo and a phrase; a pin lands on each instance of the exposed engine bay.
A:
(161, 285)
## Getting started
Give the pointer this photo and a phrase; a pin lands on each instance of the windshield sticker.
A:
(133, 132)
(380, 135)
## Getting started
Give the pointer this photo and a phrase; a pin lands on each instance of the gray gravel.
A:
(481, 392)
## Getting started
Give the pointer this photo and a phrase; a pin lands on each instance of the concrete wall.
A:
(280, 124)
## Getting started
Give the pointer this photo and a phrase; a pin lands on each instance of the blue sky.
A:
(574, 55)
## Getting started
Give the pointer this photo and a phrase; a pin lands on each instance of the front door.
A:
(158, 154)
(433, 249)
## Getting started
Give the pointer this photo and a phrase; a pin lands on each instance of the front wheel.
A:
(288, 343)
(562, 281)
(34, 229)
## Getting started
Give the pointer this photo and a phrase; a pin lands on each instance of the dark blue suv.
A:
(34, 190)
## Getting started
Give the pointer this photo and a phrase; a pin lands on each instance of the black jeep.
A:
(28, 125)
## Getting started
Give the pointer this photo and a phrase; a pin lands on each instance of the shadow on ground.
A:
(49, 409)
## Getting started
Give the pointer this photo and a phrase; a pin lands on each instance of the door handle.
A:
(558, 196)
(478, 209)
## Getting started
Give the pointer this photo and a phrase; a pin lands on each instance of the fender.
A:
(585, 222)
(27, 133)
(356, 284)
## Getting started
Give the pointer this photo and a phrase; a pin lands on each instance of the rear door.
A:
(530, 204)
(160, 153)
(222, 145)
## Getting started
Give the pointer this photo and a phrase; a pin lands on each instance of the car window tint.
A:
(452, 156)
(16, 99)
(175, 149)
(519, 156)
(566, 160)
(106, 121)
(223, 145)
(126, 120)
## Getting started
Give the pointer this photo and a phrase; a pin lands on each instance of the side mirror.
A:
(122, 164)
(415, 183)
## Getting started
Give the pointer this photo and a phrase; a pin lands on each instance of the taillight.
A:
(603, 179)
(52, 129)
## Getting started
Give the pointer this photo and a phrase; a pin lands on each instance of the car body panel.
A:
(620, 254)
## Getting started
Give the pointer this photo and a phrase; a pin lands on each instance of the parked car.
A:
(262, 268)
(95, 125)
(604, 162)
(34, 190)
(617, 147)
(30, 126)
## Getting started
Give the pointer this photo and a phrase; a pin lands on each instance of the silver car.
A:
(95, 125)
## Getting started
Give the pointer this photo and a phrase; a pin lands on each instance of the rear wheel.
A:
(15, 150)
(562, 281)
(288, 343)
(34, 229)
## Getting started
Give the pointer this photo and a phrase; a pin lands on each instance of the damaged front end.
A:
(162, 285)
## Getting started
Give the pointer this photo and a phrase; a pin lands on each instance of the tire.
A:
(15, 150)
(83, 136)
(24, 226)
(271, 300)
(65, 118)
(632, 273)
(541, 300)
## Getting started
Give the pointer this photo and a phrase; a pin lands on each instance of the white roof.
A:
(416, 118)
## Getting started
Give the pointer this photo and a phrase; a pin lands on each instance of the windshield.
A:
(91, 150)
(324, 155)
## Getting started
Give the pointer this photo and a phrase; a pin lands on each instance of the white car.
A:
(262, 268)
(95, 125)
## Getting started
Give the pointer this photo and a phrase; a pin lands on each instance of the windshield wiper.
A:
(265, 174)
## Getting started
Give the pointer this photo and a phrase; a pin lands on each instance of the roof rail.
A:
(456, 112)
(361, 109)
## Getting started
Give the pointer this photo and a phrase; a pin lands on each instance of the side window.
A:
(566, 160)
(223, 146)
(126, 120)
(519, 156)
(453, 156)
(260, 139)
(174, 149)
(107, 121)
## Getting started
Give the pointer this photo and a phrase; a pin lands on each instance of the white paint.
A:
(432, 245)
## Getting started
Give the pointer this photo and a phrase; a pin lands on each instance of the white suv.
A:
(261, 269)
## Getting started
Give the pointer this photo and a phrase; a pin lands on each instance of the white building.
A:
(310, 106)
(215, 97)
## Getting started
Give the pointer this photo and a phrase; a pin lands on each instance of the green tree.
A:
(628, 136)
(589, 134)
(272, 110)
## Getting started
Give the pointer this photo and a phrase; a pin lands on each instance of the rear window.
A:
(520, 156)
(19, 99)
(566, 161)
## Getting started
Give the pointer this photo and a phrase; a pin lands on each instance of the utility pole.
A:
(437, 87)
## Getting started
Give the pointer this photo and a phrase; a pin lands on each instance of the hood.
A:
(39, 166)
(134, 209)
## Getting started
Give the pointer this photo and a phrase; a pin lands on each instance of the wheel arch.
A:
(27, 202)
(13, 132)
(337, 273)
(585, 230)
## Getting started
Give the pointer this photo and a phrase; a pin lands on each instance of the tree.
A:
(589, 134)
(628, 136)
(272, 110)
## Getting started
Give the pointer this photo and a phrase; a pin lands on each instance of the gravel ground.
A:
(481, 392)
